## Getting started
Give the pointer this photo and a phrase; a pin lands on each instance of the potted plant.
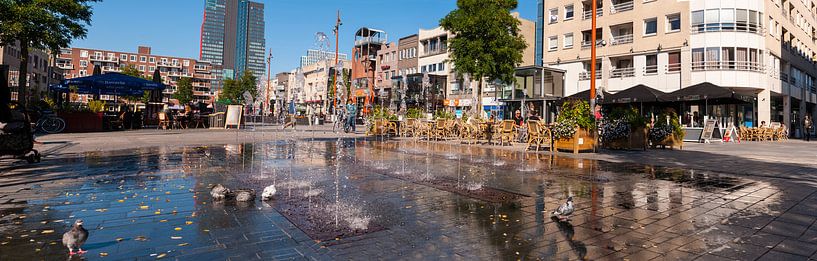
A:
(573, 130)
(84, 119)
(666, 131)
(625, 128)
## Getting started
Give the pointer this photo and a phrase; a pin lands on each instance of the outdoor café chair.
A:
(408, 127)
(164, 122)
(506, 132)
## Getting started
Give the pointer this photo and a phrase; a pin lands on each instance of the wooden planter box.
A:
(671, 141)
(582, 140)
(82, 121)
(638, 139)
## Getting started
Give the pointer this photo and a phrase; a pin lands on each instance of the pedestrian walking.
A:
(807, 125)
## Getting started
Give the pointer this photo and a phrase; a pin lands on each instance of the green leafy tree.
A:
(247, 83)
(42, 24)
(184, 90)
(233, 90)
(487, 43)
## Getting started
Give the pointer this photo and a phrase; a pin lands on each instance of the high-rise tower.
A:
(232, 38)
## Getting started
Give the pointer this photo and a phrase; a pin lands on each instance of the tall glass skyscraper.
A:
(232, 38)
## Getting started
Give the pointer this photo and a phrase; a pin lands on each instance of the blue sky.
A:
(173, 27)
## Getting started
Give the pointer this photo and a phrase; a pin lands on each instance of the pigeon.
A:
(75, 238)
(219, 192)
(268, 193)
(564, 210)
(244, 195)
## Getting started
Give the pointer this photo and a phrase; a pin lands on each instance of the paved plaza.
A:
(145, 195)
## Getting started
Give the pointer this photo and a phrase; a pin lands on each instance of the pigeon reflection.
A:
(567, 229)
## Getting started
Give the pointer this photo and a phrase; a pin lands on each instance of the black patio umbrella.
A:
(709, 93)
(97, 70)
(585, 95)
(639, 93)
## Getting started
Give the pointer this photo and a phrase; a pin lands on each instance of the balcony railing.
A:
(587, 13)
(66, 66)
(104, 58)
(167, 64)
(673, 68)
(727, 27)
(728, 66)
(651, 69)
(621, 7)
(110, 69)
(622, 72)
(586, 44)
(584, 76)
(622, 39)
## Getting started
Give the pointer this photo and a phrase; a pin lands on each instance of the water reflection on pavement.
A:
(387, 200)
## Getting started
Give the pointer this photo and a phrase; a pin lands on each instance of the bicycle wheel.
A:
(53, 125)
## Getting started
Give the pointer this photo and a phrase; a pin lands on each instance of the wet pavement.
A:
(363, 200)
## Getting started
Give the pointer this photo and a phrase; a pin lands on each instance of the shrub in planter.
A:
(574, 127)
(621, 124)
(666, 131)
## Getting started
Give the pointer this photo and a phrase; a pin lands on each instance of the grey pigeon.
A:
(244, 195)
(75, 238)
(564, 210)
(219, 192)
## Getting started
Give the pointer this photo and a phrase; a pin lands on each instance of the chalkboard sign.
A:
(233, 116)
(731, 135)
(711, 130)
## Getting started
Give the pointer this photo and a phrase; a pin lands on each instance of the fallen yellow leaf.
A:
(178, 229)
(183, 244)
(143, 207)
(175, 237)
(120, 201)
(162, 255)
(163, 220)
(188, 222)
(157, 212)
(103, 254)
(48, 231)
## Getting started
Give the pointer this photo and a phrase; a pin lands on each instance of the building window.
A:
(650, 26)
(674, 23)
(83, 63)
(142, 68)
(554, 15)
(143, 59)
(133, 58)
(674, 63)
(652, 64)
(82, 73)
(152, 68)
(441, 66)
(568, 41)
(152, 59)
(553, 43)
(423, 68)
(568, 12)
(123, 57)
(83, 54)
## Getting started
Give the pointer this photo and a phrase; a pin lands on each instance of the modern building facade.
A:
(764, 48)
(232, 38)
(313, 56)
(80, 62)
(386, 68)
(41, 72)
(368, 42)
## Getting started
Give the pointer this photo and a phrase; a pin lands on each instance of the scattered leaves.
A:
(178, 229)
(103, 254)
(188, 222)
(144, 207)
(48, 231)
(175, 237)
(162, 255)
(183, 244)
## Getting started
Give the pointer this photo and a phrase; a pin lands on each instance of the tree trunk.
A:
(22, 81)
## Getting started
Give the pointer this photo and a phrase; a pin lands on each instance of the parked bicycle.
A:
(49, 122)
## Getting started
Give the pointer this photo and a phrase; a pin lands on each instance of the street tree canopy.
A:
(486, 40)
(233, 90)
(42, 24)
(184, 90)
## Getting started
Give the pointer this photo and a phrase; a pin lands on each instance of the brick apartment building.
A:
(79, 62)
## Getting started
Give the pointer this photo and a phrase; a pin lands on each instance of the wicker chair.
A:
(506, 132)
(409, 128)
(538, 135)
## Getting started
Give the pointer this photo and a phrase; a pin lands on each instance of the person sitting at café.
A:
(763, 124)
